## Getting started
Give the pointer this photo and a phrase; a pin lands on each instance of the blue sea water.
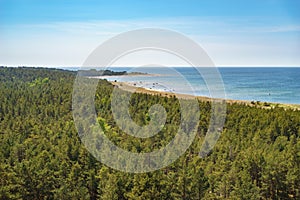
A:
(266, 84)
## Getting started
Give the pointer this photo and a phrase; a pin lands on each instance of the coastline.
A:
(265, 105)
(125, 75)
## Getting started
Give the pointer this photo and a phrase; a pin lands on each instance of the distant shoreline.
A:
(266, 105)
(125, 75)
(277, 86)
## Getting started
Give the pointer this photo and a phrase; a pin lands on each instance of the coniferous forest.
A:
(42, 157)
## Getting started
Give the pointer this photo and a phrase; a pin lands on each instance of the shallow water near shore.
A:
(265, 84)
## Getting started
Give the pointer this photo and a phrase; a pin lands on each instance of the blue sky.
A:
(233, 33)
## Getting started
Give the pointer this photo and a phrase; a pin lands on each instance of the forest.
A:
(42, 156)
(94, 72)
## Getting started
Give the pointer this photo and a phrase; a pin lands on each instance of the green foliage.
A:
(41, 155)
(94, 72)
(38, 82)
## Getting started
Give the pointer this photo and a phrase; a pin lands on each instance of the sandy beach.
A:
(266, 105)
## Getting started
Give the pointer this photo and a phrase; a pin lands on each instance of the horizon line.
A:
(126, 66)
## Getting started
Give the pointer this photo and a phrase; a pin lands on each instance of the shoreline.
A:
(125, 75)
(265, 105)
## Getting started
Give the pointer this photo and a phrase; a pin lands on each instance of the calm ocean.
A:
(266, 84)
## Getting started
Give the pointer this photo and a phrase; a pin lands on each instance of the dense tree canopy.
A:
(42, 157)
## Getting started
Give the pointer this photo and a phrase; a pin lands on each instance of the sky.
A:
(233, 33)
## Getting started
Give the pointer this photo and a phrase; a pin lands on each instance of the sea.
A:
(264, 84)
